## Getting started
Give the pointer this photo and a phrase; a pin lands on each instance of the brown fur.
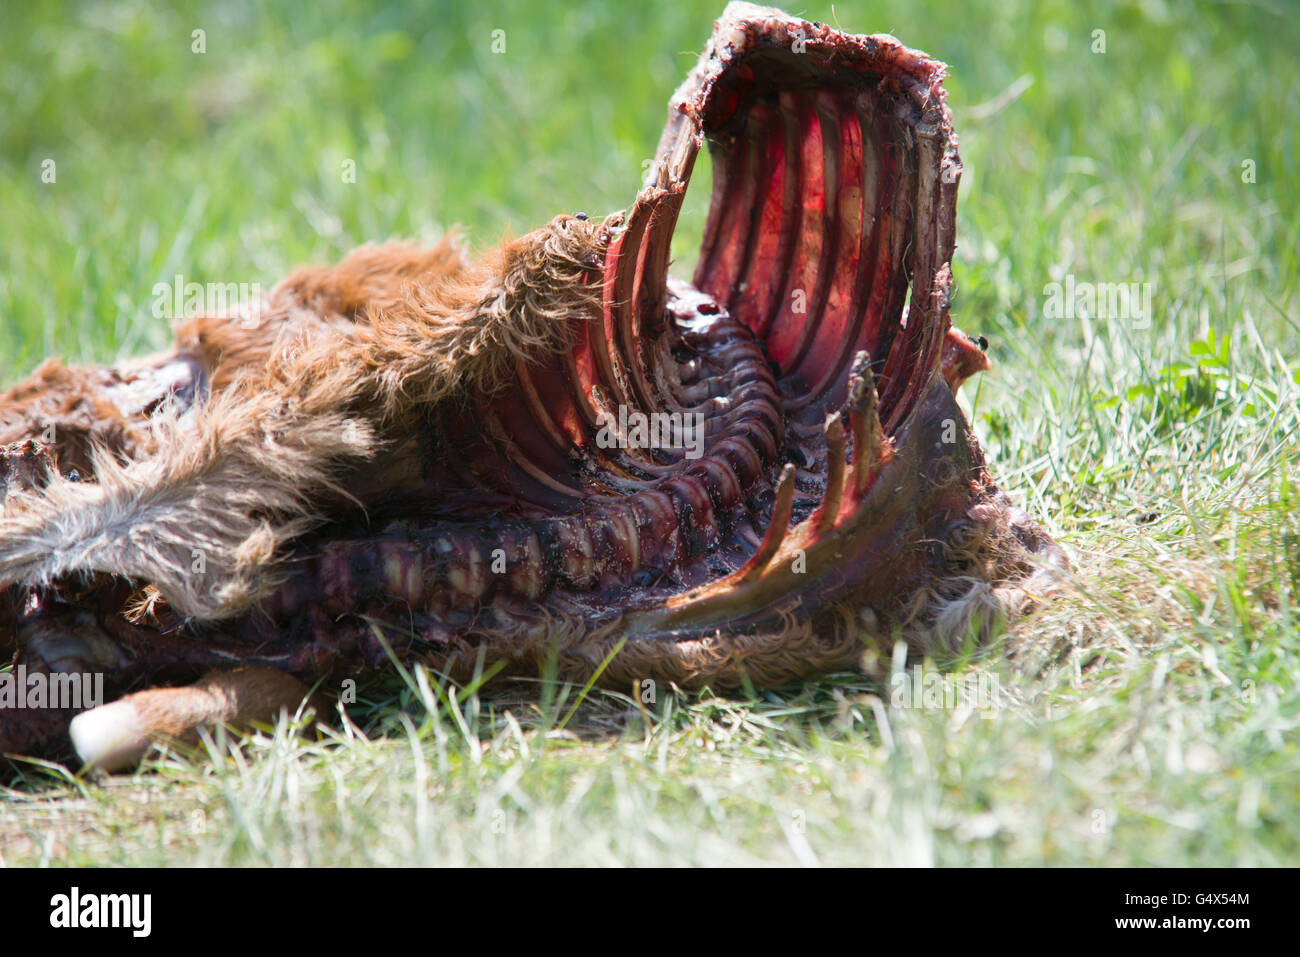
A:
(341, 356)
(201, 505)
(238, 699)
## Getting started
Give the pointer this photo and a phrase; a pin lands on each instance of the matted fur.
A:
(341, 357)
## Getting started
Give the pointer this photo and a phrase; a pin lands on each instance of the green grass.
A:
(1147, 716)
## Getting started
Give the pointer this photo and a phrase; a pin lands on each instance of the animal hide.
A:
(555, 453)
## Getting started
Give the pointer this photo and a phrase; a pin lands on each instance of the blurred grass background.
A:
(1155, 710)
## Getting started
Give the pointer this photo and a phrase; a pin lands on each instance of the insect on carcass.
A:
(556, 452)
